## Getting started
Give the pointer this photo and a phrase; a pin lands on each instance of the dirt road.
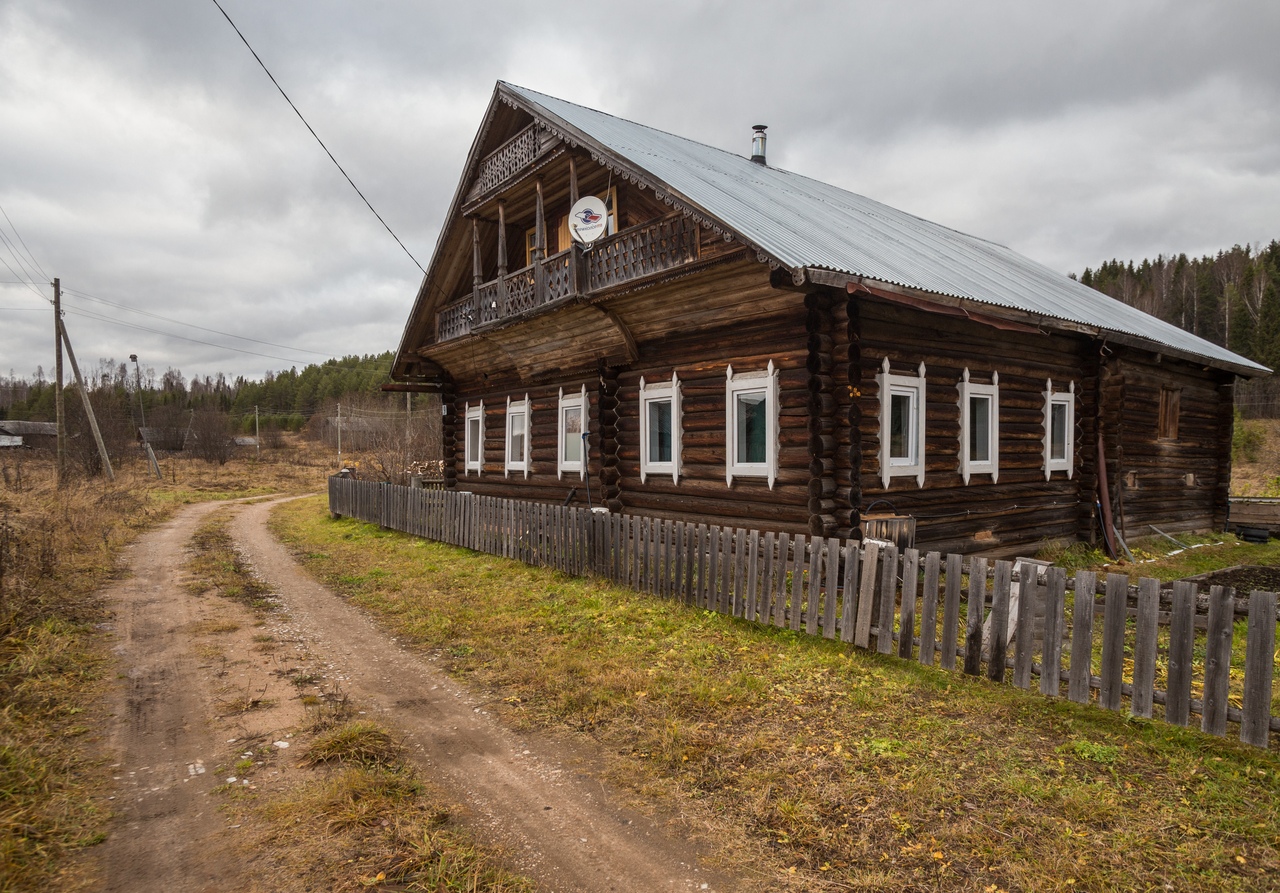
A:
(534, 795)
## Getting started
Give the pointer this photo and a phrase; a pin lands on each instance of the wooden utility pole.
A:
(88, 407)
(257, 437)
(57, 384)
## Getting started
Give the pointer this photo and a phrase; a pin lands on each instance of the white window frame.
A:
(468, 465)
(1065, 398)
(520, 462)
(914, 386)
(570, 401)
(968, 465)
(659, 392)
(766, 382)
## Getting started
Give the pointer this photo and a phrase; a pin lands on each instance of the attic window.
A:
(1170, 406)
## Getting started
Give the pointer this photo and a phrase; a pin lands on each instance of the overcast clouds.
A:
(145, 159)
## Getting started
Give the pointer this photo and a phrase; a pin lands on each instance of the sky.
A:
(148, 162)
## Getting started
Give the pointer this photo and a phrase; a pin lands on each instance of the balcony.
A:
(629, 256)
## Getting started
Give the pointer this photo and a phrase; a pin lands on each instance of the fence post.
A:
(1217, 660)
(888, 599)
(1182, 633)
(1113, 623)
(1259, 668)
(1144, 648)
(976, 609)
(999, 645)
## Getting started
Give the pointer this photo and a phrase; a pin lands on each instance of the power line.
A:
(82, 294)
(115, 322)
(35, 263)
(317, 136)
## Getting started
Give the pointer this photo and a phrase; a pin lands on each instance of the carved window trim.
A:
(569, 402)
(979, 403)
(473, 439)
(763, 383)
(517, 459)
(660, 392)
(912, 389)
(1066, 402)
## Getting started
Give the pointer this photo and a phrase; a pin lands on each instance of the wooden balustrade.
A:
(632, 254)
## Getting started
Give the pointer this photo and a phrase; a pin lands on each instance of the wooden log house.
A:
(751, 347)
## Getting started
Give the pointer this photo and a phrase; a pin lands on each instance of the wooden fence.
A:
(1176, 648)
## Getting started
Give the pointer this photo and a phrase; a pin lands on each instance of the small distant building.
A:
(19, 433)
(171, 439)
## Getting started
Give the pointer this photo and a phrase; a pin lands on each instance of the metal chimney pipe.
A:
(757, 143)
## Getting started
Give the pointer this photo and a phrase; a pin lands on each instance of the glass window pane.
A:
(752, 428)
(900, 424)
(573, 434)
(473, 440)
(979, 429)
(659, 431)
(1058, 431)
(517, 437)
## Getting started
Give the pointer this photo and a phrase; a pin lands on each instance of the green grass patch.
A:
(806, 762)
(216, 565)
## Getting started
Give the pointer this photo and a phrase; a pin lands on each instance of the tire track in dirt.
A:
(535, 796)
(167, 833)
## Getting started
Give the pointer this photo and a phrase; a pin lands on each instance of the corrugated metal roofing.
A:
(801, 222)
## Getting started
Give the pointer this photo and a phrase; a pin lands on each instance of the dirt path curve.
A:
(532, 794)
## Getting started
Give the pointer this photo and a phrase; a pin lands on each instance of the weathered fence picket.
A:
(853, 591)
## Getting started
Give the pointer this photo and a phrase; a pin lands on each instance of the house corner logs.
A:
(828, 502)
(449, 434)
(610, 474)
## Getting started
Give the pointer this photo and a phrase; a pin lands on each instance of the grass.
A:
(58, 547)
(806, 763)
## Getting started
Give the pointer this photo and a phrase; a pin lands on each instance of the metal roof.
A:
(803, 223)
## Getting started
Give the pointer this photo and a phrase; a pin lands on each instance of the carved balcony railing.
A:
(630, 255)
(508, 159)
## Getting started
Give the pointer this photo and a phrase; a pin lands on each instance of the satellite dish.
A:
(587, 220)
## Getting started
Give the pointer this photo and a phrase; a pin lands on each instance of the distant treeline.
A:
(285, 400)
(1231, 298)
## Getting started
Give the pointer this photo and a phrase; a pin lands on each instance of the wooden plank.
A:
(976, 608)
(811, 611)
(778, 585)
(1114, 617)
(671, 569)
(833, 588)
(753, 575)
(740, 572)
(701, 558)
(888, 596)
(1182, 634)
(1217, 660)
(867, 594)
(764, 606)
(951, 611)
(849, 598)
(716, 535)
(999, 643)
(1259, 669)
(797, 581)
(1082, 637)
(1055, 592)
(929, 609)
(726, 571)
(907, 622)
(1024, 629)
(1144, 648)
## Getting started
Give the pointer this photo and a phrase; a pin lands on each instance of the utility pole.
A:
(339, 437)
(257, 438)
(57, 385)
(88, 406)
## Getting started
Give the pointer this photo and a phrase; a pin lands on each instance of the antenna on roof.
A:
(757, 143)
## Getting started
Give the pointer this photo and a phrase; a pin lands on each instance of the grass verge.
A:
(808, 764)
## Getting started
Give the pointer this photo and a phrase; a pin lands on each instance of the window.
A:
(518, 436)
(1170, 405)
(473, 439)
(1059, 429)
(979, 427)
(751, 425)
(902, 403)
(660, 429)
(571, 441)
